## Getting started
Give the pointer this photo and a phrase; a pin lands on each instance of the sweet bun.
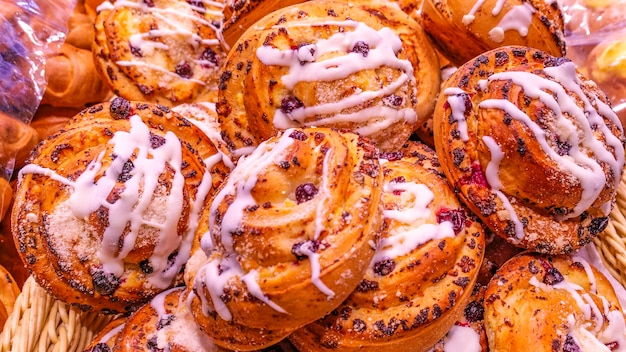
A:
(105, 212)
(17, 139)
(362, 66)
(9, 290)
(463, 29)
(531, 146)
(6, 195)
(280, 257)
(49, 119)
(560, 303)
(162, 51)
(423, 272)
(72, 79)
(106, 338)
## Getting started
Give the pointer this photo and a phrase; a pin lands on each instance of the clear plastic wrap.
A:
(596, 41)
(29, 30)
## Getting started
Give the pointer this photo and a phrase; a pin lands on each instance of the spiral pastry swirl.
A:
(290, 232)
(422, 274)
(160, 51)
(105, 212)
(357, 66)
(532, 146)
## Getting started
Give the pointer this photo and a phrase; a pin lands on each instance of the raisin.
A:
(210, 56)
(289, 104)
(100, 347)
(570, 345)
(553, 276)
(361, 47)
(367, 285)
(120, 108)
(359, 325)
(305, 192)
(145, 266)
(126, 169)
(474, 312)
(299, 135)
(392, 156)
(184, 70)
(384, 267)
(598, 225)
(156, 140)
(105, 283)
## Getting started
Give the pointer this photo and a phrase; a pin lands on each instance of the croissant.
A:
(560, 303)
(368, 68)
(161, 51)
(531, 146)
(422, 274)
(462, 29)
(289, 234)
(105, 213)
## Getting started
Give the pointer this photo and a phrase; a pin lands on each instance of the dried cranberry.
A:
(553, 276)
(312, 246)
(156, 140)
(476, 177)
(455, 216)
(289, 104)
(393, 100)
(149, 3)
(384, 267)
(305, 192)
(209, 55)
(184, 70)
(299, 135)
(362, 48)
(392, 156)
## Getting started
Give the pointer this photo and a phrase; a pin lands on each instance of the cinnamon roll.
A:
(422, 274)
(105, 213)
(560, 303)
(362, 66)
(160, 51)
(462, 29)
(532, 147)
(289, 234)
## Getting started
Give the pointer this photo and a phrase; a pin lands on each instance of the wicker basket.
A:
(41, 323)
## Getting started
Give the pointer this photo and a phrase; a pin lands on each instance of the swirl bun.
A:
(361, 67)
(105, 213)
(422, 274)
(561, 303)
(282, 257)
(464, 29)
(161, 51)
(532, 146)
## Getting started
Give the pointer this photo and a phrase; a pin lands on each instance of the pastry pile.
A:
(321, 186)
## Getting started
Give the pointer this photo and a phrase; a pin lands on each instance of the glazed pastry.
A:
(462, 29)
(288, 235)
(421, 276)
(532, 147)
(6, 195)
(164, 324)
(106, 339)
(560, 303)
(105, 213)
(9, 290)
(49, 120)
(17, 139)
(72, 79)
(362, 66)
(468, 333)
(162, 51)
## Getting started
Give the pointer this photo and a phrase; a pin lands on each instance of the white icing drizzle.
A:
(456, 101)
(554, 95)
(462, 338)
(493, 179)
(87, 196)
(519, 18)
(111, 333)
(471, 15)
(401, 241)
(303, 67)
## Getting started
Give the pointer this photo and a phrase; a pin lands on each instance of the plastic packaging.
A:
(29, 30)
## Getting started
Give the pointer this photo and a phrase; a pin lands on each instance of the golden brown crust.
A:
(460, 36)
(300, 247)
(422, 275)
(18, 139)
(370, 82)
(106, 338)
(551, 300)
(49, 120)
(524, 159)
(163, 51)
(72, 79)
(104, 215)
(9, 290)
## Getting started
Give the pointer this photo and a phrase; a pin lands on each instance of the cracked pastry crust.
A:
(561, 303)
(160, 51)
(105, 212)
(289, 234)
(531, 146)
(424, 270)
(362, 67)
(464, 29)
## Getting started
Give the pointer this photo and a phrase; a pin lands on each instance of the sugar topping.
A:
(303, 64)
(518, 18)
